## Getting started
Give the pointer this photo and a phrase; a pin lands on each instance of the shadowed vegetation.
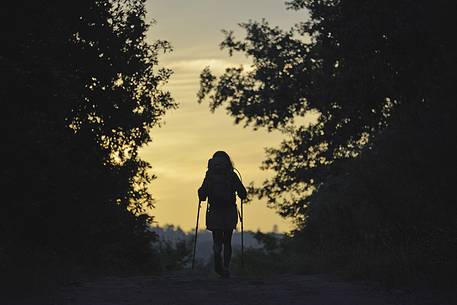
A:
(368, 183)
(80, 90)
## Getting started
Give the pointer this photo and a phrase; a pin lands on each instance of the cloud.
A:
(217, 65)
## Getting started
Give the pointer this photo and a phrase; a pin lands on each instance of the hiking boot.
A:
(226, 273)
(218, 265)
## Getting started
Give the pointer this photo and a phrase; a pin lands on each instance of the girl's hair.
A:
(224, 155)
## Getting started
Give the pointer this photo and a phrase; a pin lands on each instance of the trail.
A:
(194, 289)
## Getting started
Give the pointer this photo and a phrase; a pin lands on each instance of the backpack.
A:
(221, 191)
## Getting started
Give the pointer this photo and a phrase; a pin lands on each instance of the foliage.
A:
(80, 91)
(373, 171)
(267, 259)
(174, 256)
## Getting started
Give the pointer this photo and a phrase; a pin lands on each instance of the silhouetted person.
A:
(220, 186)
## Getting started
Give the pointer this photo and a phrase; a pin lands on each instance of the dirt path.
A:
(190, 289)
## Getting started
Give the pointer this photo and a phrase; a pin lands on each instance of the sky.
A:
(181, 147)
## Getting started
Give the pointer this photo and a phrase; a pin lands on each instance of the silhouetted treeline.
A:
(175, 247)
(369, 184)
(79, 93)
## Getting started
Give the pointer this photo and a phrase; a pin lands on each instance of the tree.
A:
(80, 92)
(376, 73)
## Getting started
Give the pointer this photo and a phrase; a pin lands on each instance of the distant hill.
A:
(173, 234)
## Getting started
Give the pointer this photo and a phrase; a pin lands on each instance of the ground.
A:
(190, 289)
(198, 289)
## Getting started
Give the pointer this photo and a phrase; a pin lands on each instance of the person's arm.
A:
(239, 187)
(203, 190)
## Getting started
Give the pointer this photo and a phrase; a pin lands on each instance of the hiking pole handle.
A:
(196, 232)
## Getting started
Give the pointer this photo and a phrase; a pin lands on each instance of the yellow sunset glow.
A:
(191, 134)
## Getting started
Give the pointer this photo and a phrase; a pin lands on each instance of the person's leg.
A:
(217, 249)
(227, 240)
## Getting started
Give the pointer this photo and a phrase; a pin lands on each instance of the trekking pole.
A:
(242, 240)
(196, 232)
(241, 219)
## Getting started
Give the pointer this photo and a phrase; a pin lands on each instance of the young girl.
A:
(220, 186)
